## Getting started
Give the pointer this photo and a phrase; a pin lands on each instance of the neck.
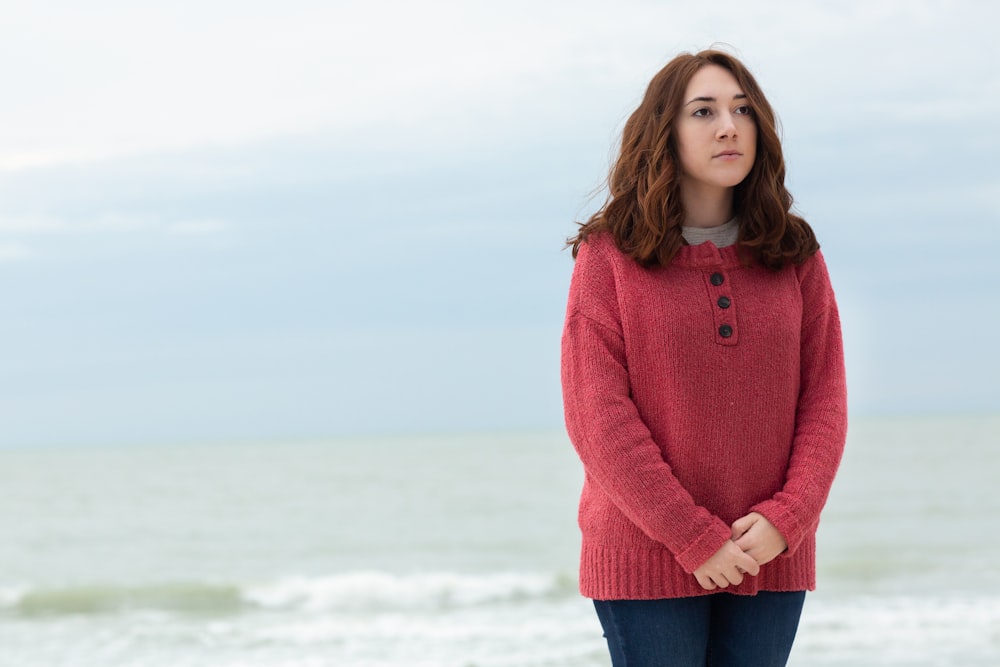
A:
(705, 206)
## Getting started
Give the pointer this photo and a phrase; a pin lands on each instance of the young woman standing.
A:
(703, 381)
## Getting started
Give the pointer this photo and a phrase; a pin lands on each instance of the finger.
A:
(749, 537)
(748, 564)
(705, 582)
(742, 525)
(748, 542)
(755, 553)
(745, 524)
(734, 576)
(720, 580)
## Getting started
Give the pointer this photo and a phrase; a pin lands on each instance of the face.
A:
(715, 131)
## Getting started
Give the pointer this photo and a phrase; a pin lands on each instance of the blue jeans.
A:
(717, 630)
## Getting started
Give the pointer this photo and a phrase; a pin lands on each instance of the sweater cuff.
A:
(786, 523)
(704, 546)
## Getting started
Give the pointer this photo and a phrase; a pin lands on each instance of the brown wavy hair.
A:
(643, 211)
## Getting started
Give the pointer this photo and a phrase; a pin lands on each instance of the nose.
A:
(727, 126)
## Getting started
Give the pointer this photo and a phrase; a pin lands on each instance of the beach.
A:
(453, 550)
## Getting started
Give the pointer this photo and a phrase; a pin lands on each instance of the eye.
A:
(703, 112)
(744, 110)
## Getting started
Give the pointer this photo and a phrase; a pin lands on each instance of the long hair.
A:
(643, 211)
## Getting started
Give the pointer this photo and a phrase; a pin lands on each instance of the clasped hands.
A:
(755, 541)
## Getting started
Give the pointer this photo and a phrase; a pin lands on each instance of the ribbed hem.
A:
(610, 573)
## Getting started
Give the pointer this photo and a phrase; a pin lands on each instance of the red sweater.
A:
(695, 394)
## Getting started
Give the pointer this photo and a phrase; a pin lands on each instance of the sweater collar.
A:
(706, 255)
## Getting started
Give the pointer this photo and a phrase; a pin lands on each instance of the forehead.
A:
(713, 81)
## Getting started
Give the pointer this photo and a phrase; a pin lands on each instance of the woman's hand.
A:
(727, 566)
(758, 538)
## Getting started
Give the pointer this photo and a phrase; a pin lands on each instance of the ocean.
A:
(457, 550)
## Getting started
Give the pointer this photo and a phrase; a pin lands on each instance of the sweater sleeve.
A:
(821, 414)
(614, 444)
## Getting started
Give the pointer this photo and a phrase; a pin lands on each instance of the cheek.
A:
(751, 136)
(687, 152)
(681, 151)
(686, 139)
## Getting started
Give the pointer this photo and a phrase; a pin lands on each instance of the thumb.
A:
(742, 525)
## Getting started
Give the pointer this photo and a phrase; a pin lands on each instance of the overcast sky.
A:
(257, 220)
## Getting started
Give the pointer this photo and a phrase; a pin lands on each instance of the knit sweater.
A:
(695, 394)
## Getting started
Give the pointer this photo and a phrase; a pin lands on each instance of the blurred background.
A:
(283, 286)
(223, 221)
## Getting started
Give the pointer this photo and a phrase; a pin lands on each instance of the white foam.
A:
(489, 620)
(900, 630)
(383, 592)
(547, 632)
(11, 595)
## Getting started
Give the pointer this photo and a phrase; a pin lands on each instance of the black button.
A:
(724, 302)
(725, 331)
(716, 279)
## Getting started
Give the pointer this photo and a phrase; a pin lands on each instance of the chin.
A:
(730, 182)
(736, 179)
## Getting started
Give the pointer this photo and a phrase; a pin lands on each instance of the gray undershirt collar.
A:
(721, 235)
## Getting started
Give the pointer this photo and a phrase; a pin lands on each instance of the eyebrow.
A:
(741, 96)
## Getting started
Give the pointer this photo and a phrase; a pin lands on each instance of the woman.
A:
(703, 381)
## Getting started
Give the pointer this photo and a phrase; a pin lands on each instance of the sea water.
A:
(449, 551)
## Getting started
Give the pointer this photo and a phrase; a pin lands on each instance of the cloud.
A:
(122, 79)
(30, 225)
(111, 222)
(14, 252)
(104, 223)
(196, 227)
(394, 167)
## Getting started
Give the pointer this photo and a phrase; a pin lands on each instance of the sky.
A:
(259, 221)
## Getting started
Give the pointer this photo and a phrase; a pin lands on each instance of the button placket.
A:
(723, 307)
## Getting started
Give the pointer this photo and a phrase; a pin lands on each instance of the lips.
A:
(729, 154)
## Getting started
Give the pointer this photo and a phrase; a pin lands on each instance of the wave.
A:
(354, 592)
(381, 591)
(182, 598)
